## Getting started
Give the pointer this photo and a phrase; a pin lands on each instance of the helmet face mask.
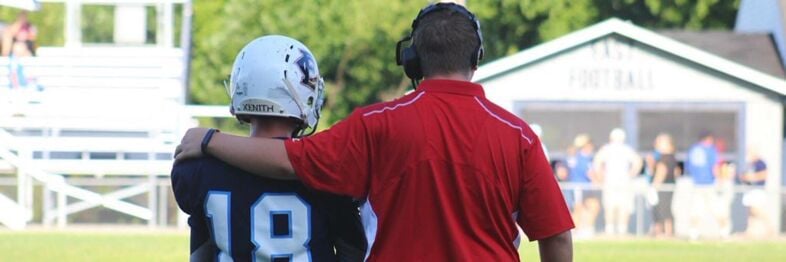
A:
(277, 76)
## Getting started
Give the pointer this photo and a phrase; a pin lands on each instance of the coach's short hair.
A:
(446, 42)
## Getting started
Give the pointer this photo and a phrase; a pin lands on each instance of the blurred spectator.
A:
(616, 165)
(561, 172)
(650, 160)
(587, 205)
(665, 172)
(759, 224)
(19, 37)
(16, 74)
(724, 185)
(701, 167)
(701, 161)
(18, 40)
(756, 171)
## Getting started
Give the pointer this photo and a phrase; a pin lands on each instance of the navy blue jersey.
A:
(234, 214)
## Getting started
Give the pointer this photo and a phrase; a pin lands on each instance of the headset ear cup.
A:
(478, 57)
(411, 63)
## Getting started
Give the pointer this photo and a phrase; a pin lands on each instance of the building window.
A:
(561, 124)
(686, 125)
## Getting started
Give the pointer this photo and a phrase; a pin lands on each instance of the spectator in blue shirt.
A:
(702, 159)
(701, 166)
(587, 203)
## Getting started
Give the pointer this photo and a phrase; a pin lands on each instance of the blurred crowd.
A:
(695, 190)
(18, 40)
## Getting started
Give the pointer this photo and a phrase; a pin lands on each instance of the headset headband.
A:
(409, 58)
(450, 6)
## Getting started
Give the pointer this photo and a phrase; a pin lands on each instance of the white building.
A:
(616, 74)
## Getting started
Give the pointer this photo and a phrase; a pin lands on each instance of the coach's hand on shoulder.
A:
(191, 144)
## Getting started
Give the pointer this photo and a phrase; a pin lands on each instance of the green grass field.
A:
(149, 245)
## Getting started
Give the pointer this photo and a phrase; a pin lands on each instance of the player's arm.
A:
(753, 176)
(761, 175)
(596, 167)
(556, 248)
(259, 156)
(660, 174)
(637, 163)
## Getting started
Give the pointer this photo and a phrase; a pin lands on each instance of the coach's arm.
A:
(260, 156)
(556, 248)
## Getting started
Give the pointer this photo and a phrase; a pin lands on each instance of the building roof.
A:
(615, 26)
(764, 16)
(782, 5)
(755, 50)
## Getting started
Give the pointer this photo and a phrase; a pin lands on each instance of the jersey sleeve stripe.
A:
(521, 131)
(394, 107)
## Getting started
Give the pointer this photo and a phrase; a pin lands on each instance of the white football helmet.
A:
(277, 76)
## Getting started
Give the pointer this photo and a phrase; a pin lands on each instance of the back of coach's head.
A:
(445, 41)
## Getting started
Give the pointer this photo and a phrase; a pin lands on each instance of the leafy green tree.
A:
(354, 41)
(512, 25)
(97, 23)
(48, 20)
(677, 14)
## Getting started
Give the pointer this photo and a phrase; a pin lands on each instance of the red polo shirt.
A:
(444, 174)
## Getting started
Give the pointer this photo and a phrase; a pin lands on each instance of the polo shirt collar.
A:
(451, 86)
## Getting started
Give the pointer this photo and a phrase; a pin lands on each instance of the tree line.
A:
(354, 41)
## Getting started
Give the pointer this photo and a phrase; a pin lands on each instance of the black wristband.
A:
(206, 139)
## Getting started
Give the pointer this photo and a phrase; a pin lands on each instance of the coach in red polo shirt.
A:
(444, 174)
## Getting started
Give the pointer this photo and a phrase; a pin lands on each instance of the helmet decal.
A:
(241, 90)
(308, 66)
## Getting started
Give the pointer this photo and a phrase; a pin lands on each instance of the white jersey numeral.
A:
(217, 208)
(269, 246)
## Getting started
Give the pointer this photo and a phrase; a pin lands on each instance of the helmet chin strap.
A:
(296, 97)
(226, 86)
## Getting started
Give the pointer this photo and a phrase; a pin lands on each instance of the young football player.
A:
(234, 216)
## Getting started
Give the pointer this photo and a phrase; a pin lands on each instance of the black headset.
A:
(408, 57)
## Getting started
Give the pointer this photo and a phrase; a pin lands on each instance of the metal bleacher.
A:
(98, 112)
(111, 106)
(95, 125)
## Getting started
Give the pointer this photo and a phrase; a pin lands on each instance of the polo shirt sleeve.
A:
(335, 160)
(542, 208)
